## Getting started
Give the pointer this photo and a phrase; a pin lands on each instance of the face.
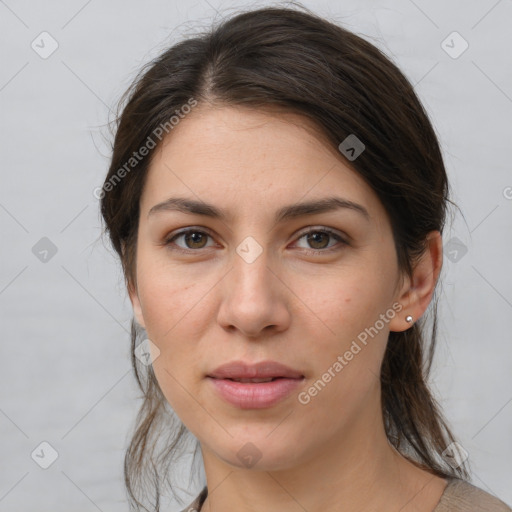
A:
(252, 287)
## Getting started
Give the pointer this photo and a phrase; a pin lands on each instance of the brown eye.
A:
(318, 240)
(194, 239)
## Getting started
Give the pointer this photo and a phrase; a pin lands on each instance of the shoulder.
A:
(195, 506)
(462, 496)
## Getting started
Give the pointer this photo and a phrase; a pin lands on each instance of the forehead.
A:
(244, 159)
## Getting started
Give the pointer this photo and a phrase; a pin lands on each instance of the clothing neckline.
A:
(444, 496)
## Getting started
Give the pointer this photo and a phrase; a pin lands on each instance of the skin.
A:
(210, 306)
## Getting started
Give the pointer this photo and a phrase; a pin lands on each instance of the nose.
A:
(254, 298)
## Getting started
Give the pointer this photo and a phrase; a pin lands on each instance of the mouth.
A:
(262, 393)
(254, 385)
(249, 381)
(245, 371)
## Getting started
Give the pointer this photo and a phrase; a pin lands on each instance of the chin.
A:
(260, 454)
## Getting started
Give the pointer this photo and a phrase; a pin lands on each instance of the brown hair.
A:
(284, 58)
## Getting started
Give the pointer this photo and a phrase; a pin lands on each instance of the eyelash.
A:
(169, 241)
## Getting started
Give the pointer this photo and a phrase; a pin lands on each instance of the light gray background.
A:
(65, 372)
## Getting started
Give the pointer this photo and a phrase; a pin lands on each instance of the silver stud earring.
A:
(408, 319)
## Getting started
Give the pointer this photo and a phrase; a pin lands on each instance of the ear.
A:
(417, 292)
(137, 309)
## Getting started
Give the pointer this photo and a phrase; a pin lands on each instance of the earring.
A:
(408, 319)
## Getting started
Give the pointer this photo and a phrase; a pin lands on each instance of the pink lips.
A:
(255, 395)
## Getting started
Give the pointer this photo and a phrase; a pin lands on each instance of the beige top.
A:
(458, 496)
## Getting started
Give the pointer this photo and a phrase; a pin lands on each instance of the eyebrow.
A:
(191, 206)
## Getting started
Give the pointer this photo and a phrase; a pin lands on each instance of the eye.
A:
(317, 238)
(194, 239)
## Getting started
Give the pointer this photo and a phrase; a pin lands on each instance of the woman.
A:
(277, 198)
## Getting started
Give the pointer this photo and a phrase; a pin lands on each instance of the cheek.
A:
(169, 298)
(172, 313)
(345, 307)
(351, 309)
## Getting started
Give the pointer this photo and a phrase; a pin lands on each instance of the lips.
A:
(254, 386)
(264, 371)
(270, 379)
